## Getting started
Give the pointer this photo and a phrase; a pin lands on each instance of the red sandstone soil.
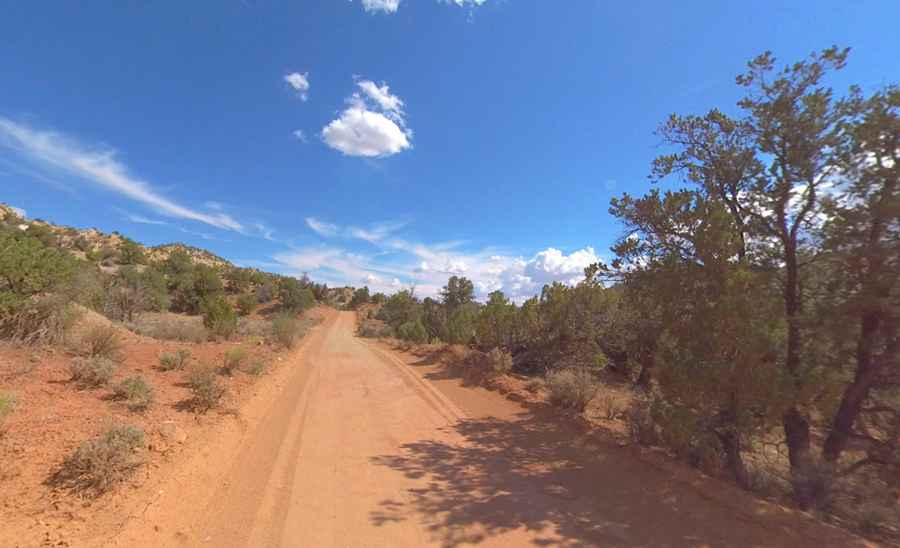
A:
(348, 445)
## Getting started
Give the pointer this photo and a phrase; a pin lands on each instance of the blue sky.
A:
(381, 142)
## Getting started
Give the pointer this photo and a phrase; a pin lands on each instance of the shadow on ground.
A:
(558, 486)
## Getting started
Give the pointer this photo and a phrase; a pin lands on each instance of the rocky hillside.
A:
(91, 241)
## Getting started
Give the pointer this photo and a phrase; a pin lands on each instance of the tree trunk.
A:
(796, 426)
(857, 392)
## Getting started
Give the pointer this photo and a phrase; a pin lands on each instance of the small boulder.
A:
(171, 432)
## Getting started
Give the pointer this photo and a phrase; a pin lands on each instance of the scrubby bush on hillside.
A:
(246, 302)
(571, 389)
(294, 296)
(103, 341)
(174, 361)
(45, 320)
(499, 361)
(131, 253)
(360, 297)
(413, 331)
(92, 372)
(135, 391)
(98, 464)
(219, 317)
(205, 387)
(233, 359)
(286, 330)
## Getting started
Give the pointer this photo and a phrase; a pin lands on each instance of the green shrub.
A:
(136, 391)
(294, 297)
(413, 331)
(571, 388)
(233, 359)
(29, 267)
(246, 302)
(103, 341)
(499, 361)
(174, 361)
(219, 317)
(92, 372)
(99, 463)
(205, 388)
(286, 330)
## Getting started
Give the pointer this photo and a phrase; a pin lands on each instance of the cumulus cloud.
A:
(50, 149)
(401, 264)
(373, 124)
(300, 83)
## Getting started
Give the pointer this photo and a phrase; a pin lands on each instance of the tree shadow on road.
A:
(538, 474)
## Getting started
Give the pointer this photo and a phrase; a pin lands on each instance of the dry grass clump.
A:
(136, 392)
(98, 464)
(103, 341)
(499, 361)
(233, 359)
(44, 321)
(92, 372)
(174, 361)
(287, 330)
(205, 388)
(8, 403)
(170, 327)
(571, 389)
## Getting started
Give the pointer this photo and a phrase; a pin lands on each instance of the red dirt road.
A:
(351, 447)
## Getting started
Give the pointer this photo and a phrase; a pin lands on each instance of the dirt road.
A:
(359, 450)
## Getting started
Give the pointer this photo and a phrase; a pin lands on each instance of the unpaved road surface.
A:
(361, 450)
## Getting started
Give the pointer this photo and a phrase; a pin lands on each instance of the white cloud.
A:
(51, 149)
(144, 220)
(373, 125)
(402, 264)
(321, 227)
(19, 211)
(301, 136)
(300, 83)
(391, 6)
(386, 6)
(389, 103)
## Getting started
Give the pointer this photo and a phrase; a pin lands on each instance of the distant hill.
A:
(91, 241)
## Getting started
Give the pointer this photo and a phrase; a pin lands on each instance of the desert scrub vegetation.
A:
(135, 391)
(170, 327)
(257, 368)
(499, 361)
(103, 341)
(246, 302)
(174, 361)
(92, 372)
(287, 330)
(571, 389)
(36, 321)
(8, 403)
(98, 464)
(206, 390)
(233, 359)
(219, 317)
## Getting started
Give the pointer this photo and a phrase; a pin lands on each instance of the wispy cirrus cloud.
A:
(51, 149)
(374, 233)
